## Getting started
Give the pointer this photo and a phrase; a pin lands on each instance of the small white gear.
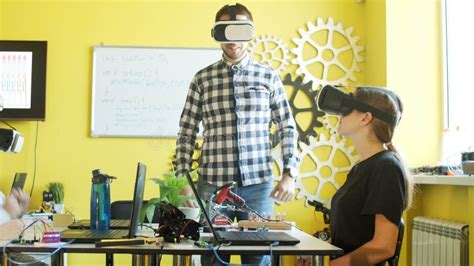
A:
(270, 50)
(329, 124)
(309, 150)
(333, 51)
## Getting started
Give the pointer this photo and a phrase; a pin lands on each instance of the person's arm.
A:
(381, 247)
(188, 128)
(22, 198)
(11, 229)
(4, 215)
(286, 127)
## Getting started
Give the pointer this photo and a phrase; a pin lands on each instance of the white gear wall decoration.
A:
(308, 150)
(327, 54)
(270, 50)
(331, 123)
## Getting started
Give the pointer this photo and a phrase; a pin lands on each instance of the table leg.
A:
(276, 260)
(109, 259)
(58, 259)
(317, 261)
(181, 260)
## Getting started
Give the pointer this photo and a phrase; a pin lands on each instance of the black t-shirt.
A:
(373, 186)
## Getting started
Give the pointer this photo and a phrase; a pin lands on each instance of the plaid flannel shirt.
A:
(236, 104)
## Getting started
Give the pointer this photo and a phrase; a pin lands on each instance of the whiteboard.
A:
(141, 91)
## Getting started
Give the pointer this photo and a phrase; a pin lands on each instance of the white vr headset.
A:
(233, 30)
(10, 140)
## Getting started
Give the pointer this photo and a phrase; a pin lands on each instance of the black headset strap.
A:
(391, 119)
(232, 12)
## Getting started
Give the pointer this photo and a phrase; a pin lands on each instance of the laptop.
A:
(240, 238)
(114, 224)
(120, 212)
(92, 236)
(19, 181)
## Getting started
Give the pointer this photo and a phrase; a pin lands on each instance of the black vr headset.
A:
(233, 30)
(334, 101)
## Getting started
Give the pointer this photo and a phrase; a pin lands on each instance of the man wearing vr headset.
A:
(367, 209)
(236, 99)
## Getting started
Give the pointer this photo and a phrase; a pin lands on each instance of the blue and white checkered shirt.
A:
(236, 104)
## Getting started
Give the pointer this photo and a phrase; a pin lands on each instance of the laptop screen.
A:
(137, 200)
(201, 205)
(19, 181)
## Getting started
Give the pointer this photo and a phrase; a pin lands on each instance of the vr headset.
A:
(233, 30)
(334, 101)
(10, 140)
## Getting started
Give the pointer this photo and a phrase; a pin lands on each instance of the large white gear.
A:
(331, 29)
(309, 150)
(274, 49)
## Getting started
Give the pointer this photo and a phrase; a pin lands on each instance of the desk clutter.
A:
(129, 242)
(276, 225)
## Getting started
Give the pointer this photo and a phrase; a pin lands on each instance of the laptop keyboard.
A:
(244, 235)
(120, 223)
(103, 234)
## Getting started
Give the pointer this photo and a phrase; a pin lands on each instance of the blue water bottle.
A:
(100, 200)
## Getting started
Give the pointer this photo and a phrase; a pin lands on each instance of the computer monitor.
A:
(19, 181)
(137, 200)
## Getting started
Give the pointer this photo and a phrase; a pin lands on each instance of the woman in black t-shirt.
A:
(366, 210)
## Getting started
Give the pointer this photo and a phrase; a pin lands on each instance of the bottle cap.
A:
(99, 177)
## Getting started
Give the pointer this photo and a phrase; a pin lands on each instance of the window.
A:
(459, 79)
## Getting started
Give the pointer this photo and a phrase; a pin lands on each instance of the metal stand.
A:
(317, 261)
(181, 260)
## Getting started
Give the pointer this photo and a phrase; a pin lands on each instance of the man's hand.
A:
(11, 229)
(284, 189)
(188, 191)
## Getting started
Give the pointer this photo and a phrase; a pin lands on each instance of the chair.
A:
(393, 261)
(122, 210)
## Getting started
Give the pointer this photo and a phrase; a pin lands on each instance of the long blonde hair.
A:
(388, 102)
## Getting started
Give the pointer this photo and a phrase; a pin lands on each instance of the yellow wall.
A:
(375, 46)
(1, 18)
(402, 51)
(414, 71)
(66, 152)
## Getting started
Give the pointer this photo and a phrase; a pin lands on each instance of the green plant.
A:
(57, 189)
(170, 187)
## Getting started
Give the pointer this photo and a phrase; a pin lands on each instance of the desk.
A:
(309, 245)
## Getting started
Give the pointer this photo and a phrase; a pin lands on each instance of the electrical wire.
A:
(34, 156)
(40, 259)
(273, 244)
(216, 254)
(161, 255)
(6, 123)
(214, 250)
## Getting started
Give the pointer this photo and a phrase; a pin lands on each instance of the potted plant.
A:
(170, 186)
(57, 190)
